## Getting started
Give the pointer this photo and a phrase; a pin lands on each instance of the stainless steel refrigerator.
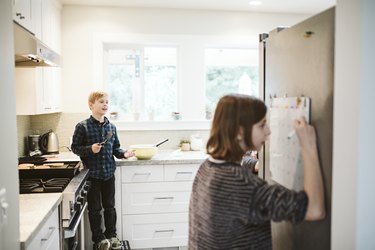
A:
(298, 61)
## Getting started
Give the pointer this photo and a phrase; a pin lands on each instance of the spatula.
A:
(107, 137)
(161, 142)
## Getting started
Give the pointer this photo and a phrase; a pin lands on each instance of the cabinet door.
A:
(156, 230)
(38, 90)
(180, 172)
(158, 197)
(51, 90)
(22, 14)
(48, 235)
(142, 173)
(51, 15)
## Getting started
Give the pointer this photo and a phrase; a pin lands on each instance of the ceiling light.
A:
(255, 2)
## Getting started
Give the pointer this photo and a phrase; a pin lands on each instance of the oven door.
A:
(73, 235)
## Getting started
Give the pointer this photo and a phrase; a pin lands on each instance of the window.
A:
(230, 71)
(141, 81)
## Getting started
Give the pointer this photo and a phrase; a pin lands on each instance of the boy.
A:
(95, 140)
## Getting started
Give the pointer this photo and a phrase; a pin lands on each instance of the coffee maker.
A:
(33, 145)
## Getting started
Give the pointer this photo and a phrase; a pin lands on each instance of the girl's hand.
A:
(129, 153)
(306, 134)
(96, 147)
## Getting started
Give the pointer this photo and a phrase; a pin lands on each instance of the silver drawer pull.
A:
(142, 173)
(164, 198)
(164, 231)
(184, 172)
(50, 231)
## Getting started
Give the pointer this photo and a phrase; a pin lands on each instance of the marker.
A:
(291, 134)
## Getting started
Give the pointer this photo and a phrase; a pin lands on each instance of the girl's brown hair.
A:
(234, 111)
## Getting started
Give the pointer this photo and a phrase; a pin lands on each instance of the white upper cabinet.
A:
(39, 89)
(22, 14)
(42, 18)
(51, 24)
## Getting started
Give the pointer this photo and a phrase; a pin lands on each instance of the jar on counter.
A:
(196, 142)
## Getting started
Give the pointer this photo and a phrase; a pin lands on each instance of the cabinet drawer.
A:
(156, 230)
(180, 172)
(160, 197)
(47, 235)
(138, 173)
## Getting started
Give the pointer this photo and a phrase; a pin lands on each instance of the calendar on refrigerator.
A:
(285, 155)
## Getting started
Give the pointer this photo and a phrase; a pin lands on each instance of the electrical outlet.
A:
(3, 207)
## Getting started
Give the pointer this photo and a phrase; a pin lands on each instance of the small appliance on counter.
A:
(33, 145)
(49, 143)
(196, 142)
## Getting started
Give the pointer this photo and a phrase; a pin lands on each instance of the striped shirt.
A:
(102, 165)
(231, 208)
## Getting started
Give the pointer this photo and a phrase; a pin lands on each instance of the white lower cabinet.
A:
(48, 236)
(156, 230)
(155, 204)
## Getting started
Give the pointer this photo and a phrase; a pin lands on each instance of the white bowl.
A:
(144, 151)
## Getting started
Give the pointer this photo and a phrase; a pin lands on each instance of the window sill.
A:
(161, 125)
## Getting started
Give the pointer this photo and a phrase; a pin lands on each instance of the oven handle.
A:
(71, 231)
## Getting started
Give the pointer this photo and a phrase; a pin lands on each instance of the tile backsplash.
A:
(23, 130)
(63, 125)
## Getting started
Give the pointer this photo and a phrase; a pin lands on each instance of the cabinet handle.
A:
(164, 231)
(164, 198)
(50, 231)
(184, 172)
(142, 173)
(22, 17)
(18, 14)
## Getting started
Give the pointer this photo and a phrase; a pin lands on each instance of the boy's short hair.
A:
(96, 95)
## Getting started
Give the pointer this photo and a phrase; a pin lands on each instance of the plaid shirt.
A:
(102, 165)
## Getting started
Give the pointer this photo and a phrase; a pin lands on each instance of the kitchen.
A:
(347, 89)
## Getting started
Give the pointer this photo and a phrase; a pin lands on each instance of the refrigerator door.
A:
(299, 61)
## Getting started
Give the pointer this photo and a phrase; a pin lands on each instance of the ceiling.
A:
(273, 6)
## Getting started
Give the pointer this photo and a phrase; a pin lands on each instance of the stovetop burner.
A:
(43, 185)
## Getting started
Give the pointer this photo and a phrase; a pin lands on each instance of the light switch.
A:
(3, 207)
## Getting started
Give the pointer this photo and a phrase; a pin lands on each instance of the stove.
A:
(53, 185)
(68, 178)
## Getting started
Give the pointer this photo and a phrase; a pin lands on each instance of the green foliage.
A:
(224, 80)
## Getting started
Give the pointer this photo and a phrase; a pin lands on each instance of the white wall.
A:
(82, 25)
(353, 199)
(9, 233)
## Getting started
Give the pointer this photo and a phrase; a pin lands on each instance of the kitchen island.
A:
(39, 221)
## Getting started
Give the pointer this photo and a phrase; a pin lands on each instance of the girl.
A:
(230, 207)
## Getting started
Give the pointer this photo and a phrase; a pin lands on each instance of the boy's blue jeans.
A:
(101, 195)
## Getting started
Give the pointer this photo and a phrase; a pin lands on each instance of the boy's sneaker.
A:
(115, 243)
(104, 245)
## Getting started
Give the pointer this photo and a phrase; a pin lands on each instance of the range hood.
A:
(30, 51)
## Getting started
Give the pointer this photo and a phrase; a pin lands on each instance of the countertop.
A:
(167, 156)
(35, 209)
(62, 156)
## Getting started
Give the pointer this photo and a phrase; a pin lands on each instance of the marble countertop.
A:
(168, 157)
(62, 156)
(34, 211)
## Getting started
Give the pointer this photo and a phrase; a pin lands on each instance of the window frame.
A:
(190, 70)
